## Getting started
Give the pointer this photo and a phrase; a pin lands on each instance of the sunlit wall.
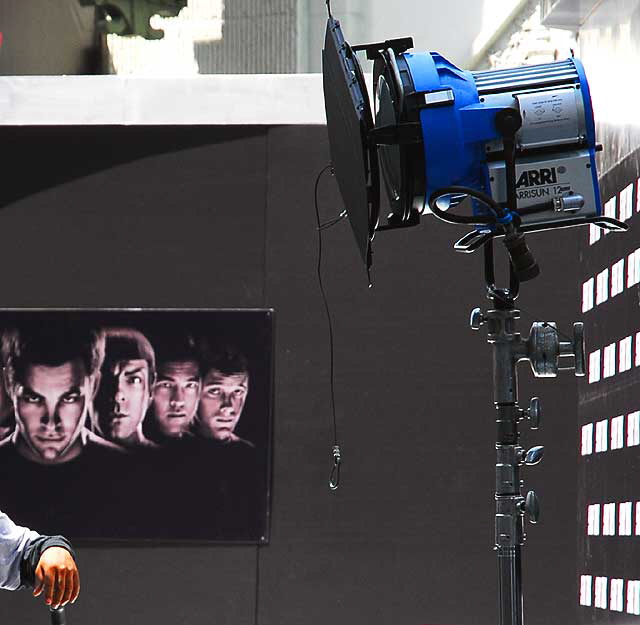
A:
(175, 54)
(284, 36)
(610, 50)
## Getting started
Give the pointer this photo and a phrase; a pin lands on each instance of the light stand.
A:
(545, 352)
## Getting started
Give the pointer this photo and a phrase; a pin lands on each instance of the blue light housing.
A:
(456, 111)
(435, 126)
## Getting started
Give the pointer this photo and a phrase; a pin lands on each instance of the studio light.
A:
(520, 142)
(504, 151)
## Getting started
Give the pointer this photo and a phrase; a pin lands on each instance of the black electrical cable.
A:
(329, 8)
(334, 480)
(475, 220)
(522, 259)
(332, 222)
(485, 199)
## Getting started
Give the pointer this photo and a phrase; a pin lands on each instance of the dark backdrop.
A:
(223, 217)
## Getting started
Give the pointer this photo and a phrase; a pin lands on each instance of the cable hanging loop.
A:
(333, 222)
(334, 479)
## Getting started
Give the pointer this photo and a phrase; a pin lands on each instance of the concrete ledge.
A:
(250, 99)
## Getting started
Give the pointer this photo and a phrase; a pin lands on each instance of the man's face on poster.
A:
(175, 396)
(6, 408)
(123, 398)
(222, 402)
(51, 405)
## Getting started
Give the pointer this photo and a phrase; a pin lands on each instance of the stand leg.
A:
(510, 585)
(509, 524)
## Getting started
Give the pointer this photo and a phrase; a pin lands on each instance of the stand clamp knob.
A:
(543, 349)
(477, 319)
(534, 413)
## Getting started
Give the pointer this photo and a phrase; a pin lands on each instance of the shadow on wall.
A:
(65, 36)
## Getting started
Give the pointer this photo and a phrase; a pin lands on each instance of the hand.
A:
(57, 574)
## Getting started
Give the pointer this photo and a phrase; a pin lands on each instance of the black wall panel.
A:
(168, 222)
(408, 537)
(228, 220)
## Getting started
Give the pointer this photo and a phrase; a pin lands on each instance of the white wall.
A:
(610, 51)
(455, 28)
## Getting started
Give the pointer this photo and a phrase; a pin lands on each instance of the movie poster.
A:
(137, 424)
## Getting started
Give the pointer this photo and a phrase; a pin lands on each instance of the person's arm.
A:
(46, 563)
(14, 541)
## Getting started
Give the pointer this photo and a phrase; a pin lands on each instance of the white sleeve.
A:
(13, 541)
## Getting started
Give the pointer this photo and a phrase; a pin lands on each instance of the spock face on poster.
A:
(124, 395)
(176, 392)
(51, 375)
(225, 386)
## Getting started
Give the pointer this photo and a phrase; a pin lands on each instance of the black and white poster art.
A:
(139, 425)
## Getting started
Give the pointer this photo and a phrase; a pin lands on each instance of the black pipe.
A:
(58, 616)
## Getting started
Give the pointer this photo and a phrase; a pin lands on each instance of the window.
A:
(617, 278)
(587, 294)
(617, 432)
(602, 286)
(625, 511)
(586, 448)
(594, 363)
(624, 356)
(585, 590)
(601, 592)
(609, 519)
(601, 436)
(633, 429)
(593, 520)
(626, 203)
(633, 273)
(617, 590)
(609, 369)
(633, 596)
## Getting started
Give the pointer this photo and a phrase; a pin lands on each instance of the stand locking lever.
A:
(477, 319)
(532, 507)
(534, 455)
